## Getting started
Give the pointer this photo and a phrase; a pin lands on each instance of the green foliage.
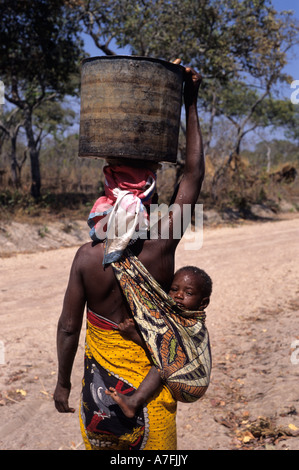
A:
(221, 39)
(39, 49)
(293, 125)
(242, 105)
(239, 46)
(281, 151)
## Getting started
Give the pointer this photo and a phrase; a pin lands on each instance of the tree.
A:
(247, 111)
(40, 50)
(292, 130)
(10, 125)
(234, 43)
(279, 151)
(194, 30)
(52, 120)
(260, 67)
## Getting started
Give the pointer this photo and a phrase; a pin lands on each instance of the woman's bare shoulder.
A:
(89, 251)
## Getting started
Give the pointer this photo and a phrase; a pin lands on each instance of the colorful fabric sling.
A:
(177, 339)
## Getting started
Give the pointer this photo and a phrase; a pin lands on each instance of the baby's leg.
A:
(126, 403)
(147, 388)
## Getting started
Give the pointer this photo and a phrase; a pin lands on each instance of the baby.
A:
(191, 289)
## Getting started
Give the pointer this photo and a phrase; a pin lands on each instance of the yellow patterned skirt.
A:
(113, 361)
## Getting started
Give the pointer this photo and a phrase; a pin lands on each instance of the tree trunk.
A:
(268, 158)
(34, 156)
(14, 163)
(35, 173)
(238, 143)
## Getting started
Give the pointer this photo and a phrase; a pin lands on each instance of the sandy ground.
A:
(253, 321)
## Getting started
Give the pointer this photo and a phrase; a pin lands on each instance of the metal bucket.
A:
(130, 108)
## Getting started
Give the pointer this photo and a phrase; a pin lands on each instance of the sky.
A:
(292, 67)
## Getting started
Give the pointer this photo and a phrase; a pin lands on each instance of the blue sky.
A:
(292, 67)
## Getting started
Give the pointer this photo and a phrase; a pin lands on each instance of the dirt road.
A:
(253, 320)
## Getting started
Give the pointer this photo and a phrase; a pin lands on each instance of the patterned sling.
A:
(177, 339)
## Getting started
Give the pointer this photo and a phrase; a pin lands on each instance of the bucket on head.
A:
(130, 108)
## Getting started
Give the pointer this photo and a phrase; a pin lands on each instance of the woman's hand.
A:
(61, 399)
(192, 83)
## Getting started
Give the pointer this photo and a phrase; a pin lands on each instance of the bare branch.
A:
(102, 47)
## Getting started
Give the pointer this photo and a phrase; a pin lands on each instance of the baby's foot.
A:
(123, 401)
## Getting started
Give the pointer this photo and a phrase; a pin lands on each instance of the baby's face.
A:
(186, 290)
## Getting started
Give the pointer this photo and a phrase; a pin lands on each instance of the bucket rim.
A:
(133, 57)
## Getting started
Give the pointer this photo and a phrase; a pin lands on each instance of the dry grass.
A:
(68, 191)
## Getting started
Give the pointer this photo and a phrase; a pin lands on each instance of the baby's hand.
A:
(127, 326)
(129, 331)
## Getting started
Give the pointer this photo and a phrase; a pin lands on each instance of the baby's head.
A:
(191, 288)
